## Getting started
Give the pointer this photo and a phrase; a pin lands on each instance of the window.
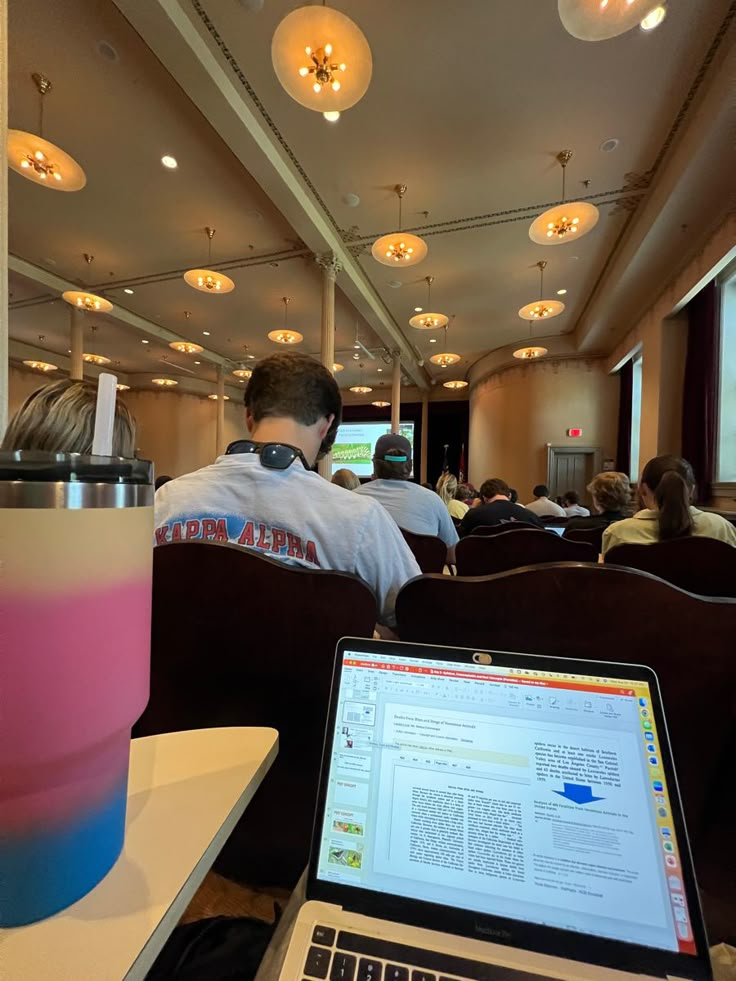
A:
(635, 417)
(727, 421)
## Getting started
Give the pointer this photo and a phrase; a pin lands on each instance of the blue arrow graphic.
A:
(578, 793)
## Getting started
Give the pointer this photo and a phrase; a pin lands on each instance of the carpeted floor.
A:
(218, 896)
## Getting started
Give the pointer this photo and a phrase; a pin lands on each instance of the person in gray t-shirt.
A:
(412, 507)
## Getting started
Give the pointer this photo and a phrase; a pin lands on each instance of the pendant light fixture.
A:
(215, 397)
(445, 359)
(455, 383)
(37, 159)
(99, 359)
(566, 222)
(531, 352)
(164, 382)
(206, 280)
(399, 248)
(122, 388)
(322, 59)
(41, 366)
(381, 404)
(429, 321)
(542, 309)
(361, 389)
(285, 336)
(243, 372)
(598, 20)
(336, 366)
(87, 301)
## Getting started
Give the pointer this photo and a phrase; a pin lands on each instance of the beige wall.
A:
(515, 413)
(176, 431)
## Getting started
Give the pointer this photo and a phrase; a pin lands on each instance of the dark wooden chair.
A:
(429, 551)
(605, 612)
(485, 530)
(591, 536)
(553, 519)
(239, 639)
(477, 556)
(699, 565)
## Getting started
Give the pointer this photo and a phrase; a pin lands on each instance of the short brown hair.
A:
(60, 418)
(610, 490)
(293, 386)
(493, 487)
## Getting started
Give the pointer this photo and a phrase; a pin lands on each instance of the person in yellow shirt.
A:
(666, 489)
(447, 488)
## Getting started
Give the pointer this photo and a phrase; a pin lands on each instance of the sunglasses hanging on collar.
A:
(275, 456)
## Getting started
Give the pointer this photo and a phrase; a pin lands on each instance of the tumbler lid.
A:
(39, 466)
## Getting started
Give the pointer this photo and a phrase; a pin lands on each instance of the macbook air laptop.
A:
(496, 817)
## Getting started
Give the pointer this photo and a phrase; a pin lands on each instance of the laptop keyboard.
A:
(346, 956)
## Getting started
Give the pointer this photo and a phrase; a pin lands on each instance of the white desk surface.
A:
(186, 792)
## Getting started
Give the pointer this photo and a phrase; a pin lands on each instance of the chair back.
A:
(591, 536)
(603, 612)
(239, 639)
(477, 556)
(485, 530)
(429, 551)
(699, 565)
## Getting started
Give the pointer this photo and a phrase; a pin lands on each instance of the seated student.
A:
(666, 488)
(611, 494)
(467, 494)
(412, 507)
(346, 478)
(542, 506)
(60, 418)
(572, 506)
(163, 479)
(447, 489)
(496, 508)
(263, 494)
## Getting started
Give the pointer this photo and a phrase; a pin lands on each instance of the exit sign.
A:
(575, 433)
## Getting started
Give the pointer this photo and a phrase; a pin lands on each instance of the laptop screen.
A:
(534, 795)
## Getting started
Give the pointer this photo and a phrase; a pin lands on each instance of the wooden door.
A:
(572, 468)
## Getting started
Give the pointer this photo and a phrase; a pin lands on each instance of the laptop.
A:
(493, 816)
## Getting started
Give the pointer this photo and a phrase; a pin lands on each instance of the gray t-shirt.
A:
(293, 515)
(415, 508)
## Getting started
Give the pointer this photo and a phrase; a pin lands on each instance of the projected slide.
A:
(356, 441)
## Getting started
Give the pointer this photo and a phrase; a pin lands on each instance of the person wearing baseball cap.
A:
(413, 508)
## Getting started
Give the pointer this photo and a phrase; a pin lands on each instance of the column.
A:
(76, 343)
(3, 219)
(220, 404)
(425, 439)
(330, 268)
(396, 392)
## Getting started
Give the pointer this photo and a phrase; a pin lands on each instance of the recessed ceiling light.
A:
(418, 309)
(169, 162)
(351, 199)
(395, 284)
(379, 369)
(654, 18)
(198, 362)
(433, 340)
(206, 333)
(332, 116)
(608, 145)
(145, 342)
(129, 291)
(561, 292)
(254, 215)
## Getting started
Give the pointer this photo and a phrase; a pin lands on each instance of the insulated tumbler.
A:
(76, 537)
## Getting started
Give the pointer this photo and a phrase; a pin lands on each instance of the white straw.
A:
(104, 414)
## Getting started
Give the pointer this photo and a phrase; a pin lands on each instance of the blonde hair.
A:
(345, 478)
(60, 418)
(447, 487)
(611, 490)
